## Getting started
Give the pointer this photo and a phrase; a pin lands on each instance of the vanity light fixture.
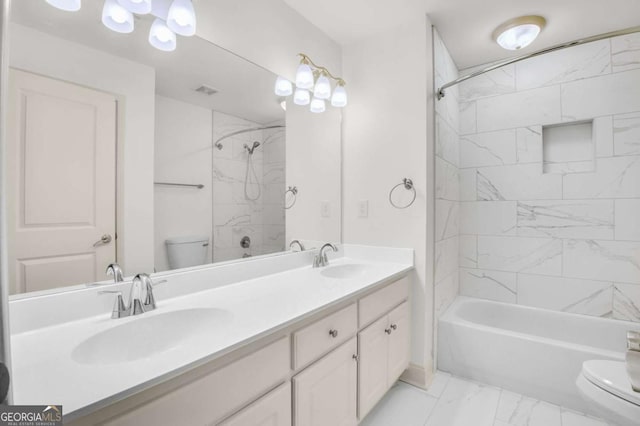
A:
(66, 5)
(301, 97)
(519, 32)
(117, 18)
(283, 87)
(161, 37)
(317, 105)
(315, 78)
(139, 7)
(182, 18)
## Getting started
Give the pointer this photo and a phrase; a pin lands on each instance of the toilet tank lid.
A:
(187, 240)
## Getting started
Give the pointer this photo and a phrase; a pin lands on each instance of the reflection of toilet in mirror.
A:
(183, 252)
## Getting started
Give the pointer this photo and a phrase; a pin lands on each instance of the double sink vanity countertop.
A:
(91, 362)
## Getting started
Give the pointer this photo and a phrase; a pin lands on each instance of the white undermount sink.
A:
(349, 270)
(143, 336)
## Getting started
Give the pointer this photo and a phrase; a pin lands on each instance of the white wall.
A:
(313, 161)
(568, 240)
(388, 136)
(134, 86)
(266, 32)
(182, 155)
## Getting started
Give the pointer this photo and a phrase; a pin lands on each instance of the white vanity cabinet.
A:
(273, 409)
(325, 392)
(383, 348)
(326, 370)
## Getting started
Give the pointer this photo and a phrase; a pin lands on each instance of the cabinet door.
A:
(372, 367)
(399, 339)
(325, 393)
(273, 409)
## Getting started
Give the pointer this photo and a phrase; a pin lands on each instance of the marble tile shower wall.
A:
(566, 241)
(447, 181)
(260, 216)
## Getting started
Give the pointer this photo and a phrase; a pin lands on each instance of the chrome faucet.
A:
(298, 243)
(321, 259)
(114, 270)
(136, 305)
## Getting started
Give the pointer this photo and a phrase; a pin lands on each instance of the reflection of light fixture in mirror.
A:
(312, 76)
(117, 18)
(161, 37)
(304, 76)
(519, 32)
(339, 97)
(140, 7)
(283, 87)
(301, 97)
(317, 105)
(66, 5)
(283, 103)
(322, 89)
(182, 18)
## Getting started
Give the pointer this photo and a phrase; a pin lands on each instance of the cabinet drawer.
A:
(273, 409)
(217, 394)
(382, 301)
(315, 340)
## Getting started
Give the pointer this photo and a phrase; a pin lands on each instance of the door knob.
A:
(105, 239)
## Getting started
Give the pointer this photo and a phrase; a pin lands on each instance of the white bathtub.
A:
(535, 352)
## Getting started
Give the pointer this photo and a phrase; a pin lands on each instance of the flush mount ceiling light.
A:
(66, 5)
(312, 78)
(519, 32)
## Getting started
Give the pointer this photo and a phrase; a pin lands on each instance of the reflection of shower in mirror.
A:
(250, 176)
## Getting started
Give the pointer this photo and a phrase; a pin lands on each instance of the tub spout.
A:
(633, 359)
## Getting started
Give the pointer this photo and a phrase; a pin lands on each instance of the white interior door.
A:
(61, 166)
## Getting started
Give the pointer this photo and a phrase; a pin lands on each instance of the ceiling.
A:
(466, 25)
(244, 89)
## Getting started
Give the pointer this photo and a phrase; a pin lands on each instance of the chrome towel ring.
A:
(294, 191)
(408, 185)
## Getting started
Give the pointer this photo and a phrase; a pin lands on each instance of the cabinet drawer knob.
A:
(333, 333)
(356, 357)
(387, 330)
(394, 327)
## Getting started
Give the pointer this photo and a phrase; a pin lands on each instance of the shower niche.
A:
(569, 147)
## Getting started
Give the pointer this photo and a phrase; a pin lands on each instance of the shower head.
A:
(251, 149)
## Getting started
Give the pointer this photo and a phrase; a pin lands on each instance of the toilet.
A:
(184, 252)
(606, 387)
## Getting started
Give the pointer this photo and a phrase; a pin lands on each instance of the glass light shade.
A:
(323, 88)
(339, 97)
(283, 104)
(140, 7)
(181, 18)
(161, 37)
(317, 105)
(66, 5)
(117, 18)
(304, 77)
(301, 97)
(283, 87)
(518, 37)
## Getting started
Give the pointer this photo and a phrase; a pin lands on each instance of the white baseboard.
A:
(418, 376)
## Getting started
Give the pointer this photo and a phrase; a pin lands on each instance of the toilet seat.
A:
(606, 385)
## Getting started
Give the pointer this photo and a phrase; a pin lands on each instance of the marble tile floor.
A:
(452, 401)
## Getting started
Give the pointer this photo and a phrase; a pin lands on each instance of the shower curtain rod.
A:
(249, 130)
(441, 91)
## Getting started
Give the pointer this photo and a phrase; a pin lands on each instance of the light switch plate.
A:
(363, 208)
